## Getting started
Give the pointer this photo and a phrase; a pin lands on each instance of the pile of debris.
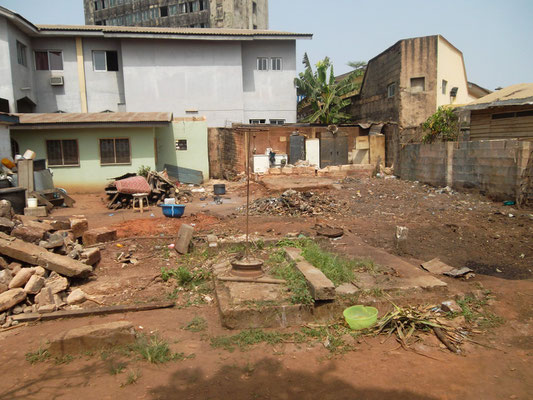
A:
(295, 203)
(38, 259)
(156, 185)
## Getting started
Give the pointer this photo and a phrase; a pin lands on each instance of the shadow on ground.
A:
(269, 379)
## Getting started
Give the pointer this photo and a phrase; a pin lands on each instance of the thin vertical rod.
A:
(247, 188)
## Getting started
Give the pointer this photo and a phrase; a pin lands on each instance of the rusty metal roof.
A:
(94, 118)
(519, 94)
(135, 30)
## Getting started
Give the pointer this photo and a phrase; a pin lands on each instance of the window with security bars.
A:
(262, 63)
(62, 153)
(115, 151)
(277, 64)
(181, 144)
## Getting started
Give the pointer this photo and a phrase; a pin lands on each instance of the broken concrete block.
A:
(68, 235)
(59, 223)
(99, 235)
(56, 283)
(3, 263)
(14, 267)
(93, 337)
(6, 225)
(212, 240)
(91, 256)
(39, 225)
(21, 278)
(320, 286)
(46, 308)
(45, 296)
(76, 297)
(39, 211)
(35, 255)
(54, 240)
(11, 298)
(6, 211)
(79, 226)
(34, 284)
(400, 238)
(17, 310)
(28, 234)
(3, 287)
(39, 271)
(451, 306)
(184, 238)
(58, 301)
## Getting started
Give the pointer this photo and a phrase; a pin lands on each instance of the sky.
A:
(495, 36)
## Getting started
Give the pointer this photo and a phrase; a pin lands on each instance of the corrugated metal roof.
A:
(170, 31)
(513, 95)
(94, 118)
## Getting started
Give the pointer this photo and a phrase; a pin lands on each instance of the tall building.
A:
(237, 14)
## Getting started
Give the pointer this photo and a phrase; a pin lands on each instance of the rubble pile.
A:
(293, 203)
(38, 260)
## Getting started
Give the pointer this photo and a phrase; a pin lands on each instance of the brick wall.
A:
(496, 168)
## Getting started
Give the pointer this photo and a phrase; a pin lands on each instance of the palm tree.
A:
(323, 94)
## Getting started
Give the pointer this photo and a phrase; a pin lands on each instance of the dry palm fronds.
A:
(407, 322)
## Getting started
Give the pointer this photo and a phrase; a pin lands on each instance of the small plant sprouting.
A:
(198, 324)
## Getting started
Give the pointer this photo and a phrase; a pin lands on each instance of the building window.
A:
(203, 5)
(181, 144)
(258, 121)
(391, 90)
(444, 86)
(182, 8)
(173, 9)
(21, 54)
(49, 60)
(262, 64)
(194, 6)
(115, 151)
(112, 3)
(105, 60)
(277, 64)
(62, 153)
(254, 7)
(277, 121)
(163, 11)
(96, 6)
(418, 85)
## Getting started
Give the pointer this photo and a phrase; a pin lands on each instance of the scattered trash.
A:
(436, 266)
(509, 203)
(171, 246)
(110, 215)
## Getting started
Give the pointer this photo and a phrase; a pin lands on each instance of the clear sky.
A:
(495, 36)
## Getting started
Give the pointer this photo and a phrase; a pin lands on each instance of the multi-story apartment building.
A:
(226, 75)
(235, 14)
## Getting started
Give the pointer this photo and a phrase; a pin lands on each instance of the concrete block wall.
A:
(496, 168)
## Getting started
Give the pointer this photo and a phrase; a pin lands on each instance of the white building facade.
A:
(228, 76)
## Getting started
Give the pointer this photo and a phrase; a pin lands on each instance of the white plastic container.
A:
(32, 202)
(170, 201)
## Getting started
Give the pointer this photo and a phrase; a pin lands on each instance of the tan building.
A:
(406, 83)
(237, 14)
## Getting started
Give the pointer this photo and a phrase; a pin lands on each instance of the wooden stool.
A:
(139, 198)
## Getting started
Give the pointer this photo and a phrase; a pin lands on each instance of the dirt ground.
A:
(461, 229)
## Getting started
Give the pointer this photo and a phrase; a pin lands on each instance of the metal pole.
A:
(247, 188)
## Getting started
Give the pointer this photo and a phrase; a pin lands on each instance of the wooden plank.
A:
(43, 200)
(25, 174)
(320, 286)
(91, 311)
(69, 201)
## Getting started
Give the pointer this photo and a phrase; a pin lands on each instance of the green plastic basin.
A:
(360, 317)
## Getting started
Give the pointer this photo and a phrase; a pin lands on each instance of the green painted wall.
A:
(197, 154)
(90, 176)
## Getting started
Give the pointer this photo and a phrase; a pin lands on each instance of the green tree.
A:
(323, 94)
(443, 125)
(359, 67)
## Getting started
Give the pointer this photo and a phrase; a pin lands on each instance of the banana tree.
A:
(323, 94)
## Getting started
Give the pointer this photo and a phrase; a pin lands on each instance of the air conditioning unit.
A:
(57, 81)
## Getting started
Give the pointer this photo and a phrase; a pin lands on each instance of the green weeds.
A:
(198, 324)
(154, 349)
(37, 356)
(282, 269)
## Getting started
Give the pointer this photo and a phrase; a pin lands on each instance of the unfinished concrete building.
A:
(237, 14)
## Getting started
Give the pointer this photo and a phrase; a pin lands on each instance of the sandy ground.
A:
(461, 229)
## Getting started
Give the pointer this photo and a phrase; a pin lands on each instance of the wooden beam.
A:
(91, 311)
(43, 200)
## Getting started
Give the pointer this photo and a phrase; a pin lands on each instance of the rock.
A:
(56, 283)
(45, 296)
(458, 322)
(3, 317)
(99, 235)
(28, 234)
(78, 225)
(6, 276)
(58, 301)
(346, 288)
(76, 297)
(59, 223)
(20, 279)
(3, 287)
(91, 256)
(39, 271)
(400, 238)
(93, 337)
(11, 298)
(6, 225)
(39, 211)
(34, 285)
(14, 267)
(46, 308)
(54, 240)
(27, 310)
(38, 225)
(212, 240)
(68, 236)
(35, 255)
(185, 234)
(17, 310)
(74, 254)
(6, 211)
(3, 262)
(450, 306)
